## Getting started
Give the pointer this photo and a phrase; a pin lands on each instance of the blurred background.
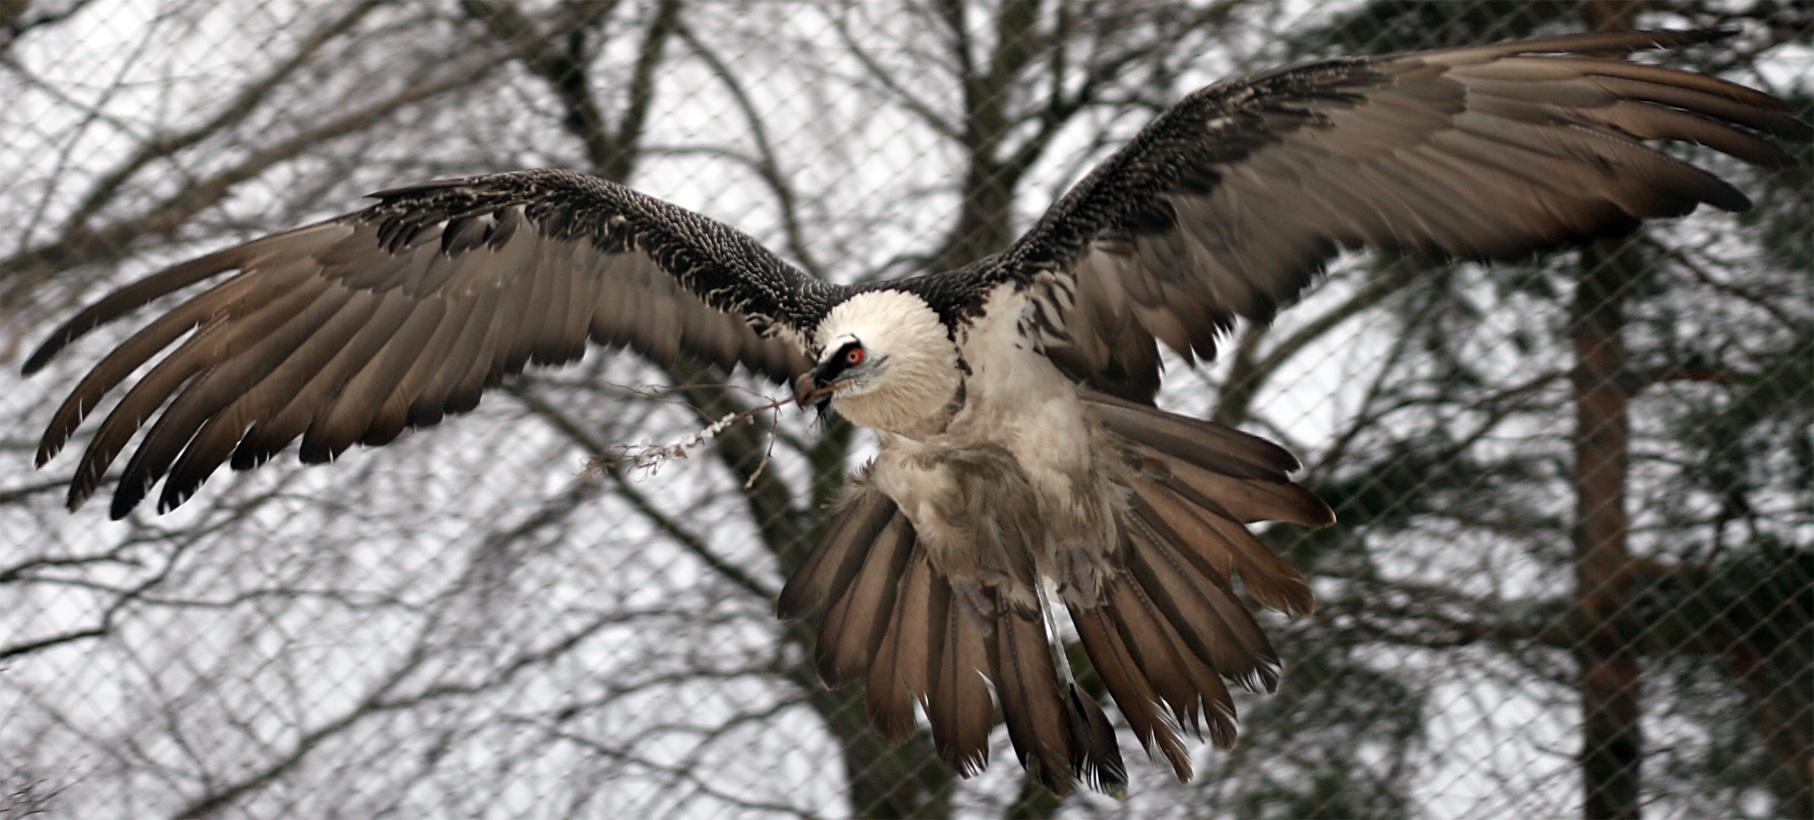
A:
(1574, 572)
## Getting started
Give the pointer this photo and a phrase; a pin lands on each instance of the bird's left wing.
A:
(1230, 202)
(356, 328)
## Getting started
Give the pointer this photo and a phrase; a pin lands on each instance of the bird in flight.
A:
(1022, 467)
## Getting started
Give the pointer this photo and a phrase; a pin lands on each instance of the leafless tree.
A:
(1574, 493)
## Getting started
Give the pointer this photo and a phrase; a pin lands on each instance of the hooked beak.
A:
(810, 389)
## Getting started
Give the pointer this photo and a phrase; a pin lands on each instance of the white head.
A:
(889, 362)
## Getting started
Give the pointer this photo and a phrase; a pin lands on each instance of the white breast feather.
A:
(1018, 397)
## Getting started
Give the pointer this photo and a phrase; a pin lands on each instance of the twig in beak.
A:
(651, 456)
(808, 393)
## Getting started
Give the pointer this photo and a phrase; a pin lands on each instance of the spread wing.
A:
(1230, 202)
(356, 328)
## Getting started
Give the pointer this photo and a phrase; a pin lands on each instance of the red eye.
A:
(854, 356)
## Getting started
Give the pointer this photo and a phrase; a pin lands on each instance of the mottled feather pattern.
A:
(723, 266)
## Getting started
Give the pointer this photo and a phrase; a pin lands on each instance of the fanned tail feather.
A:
(1038, 721)
(1096, 756)
(838, 556)
(853, 626)
(958, 705)
(895, 621)
(899, 673)
(1060, 733)
(1129, 685)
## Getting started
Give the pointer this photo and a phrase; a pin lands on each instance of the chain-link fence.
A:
(1574, 569)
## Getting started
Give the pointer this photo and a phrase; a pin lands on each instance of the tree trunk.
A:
(883, 779)
(1611, 738)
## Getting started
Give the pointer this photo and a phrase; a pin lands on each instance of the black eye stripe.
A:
(839, 361)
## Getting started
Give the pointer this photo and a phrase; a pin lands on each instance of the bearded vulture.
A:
(1022, 465)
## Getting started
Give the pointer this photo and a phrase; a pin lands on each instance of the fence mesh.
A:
(1574, 571)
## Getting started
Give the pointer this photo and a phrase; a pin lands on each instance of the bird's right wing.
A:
(356, 328)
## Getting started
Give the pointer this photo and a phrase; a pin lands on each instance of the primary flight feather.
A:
(1021, 465)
